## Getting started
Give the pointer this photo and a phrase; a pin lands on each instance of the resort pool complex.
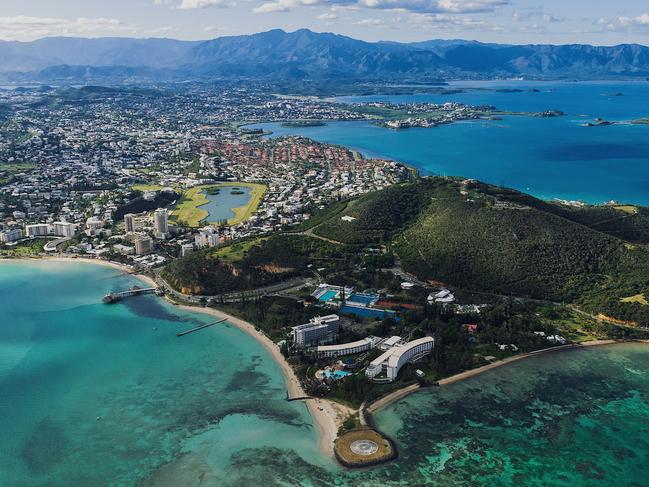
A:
(367, 299)
(329, 296)
(336, 374)
(366, 312)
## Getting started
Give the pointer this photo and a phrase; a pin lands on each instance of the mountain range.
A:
(304, 54)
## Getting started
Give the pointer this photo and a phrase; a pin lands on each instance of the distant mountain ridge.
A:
(304, 54)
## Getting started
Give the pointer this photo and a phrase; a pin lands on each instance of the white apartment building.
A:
(143, 245)
(343, 349)
(129, 222)
(11, 235)
(161, 223)
(64, 229)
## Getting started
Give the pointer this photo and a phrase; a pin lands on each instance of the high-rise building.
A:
(161, 223)
(11, 235)
(320, 329)
(129, 222)
(143, 245)
(37, 230)
(64, 229)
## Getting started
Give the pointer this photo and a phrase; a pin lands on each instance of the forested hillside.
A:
(484, 238)
(466, 234)
(247, 265)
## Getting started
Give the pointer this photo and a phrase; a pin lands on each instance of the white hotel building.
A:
(343, 349)
(320, 329)
(394, 358)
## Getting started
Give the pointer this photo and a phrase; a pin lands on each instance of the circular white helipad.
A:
(364, 447)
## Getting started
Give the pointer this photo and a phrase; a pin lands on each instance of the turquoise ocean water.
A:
(548, 157)
(209, 408)
(66, 360)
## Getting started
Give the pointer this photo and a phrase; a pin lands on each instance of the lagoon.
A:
(92, 394)
(547, 157)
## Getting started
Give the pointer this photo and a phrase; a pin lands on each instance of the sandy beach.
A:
(115, 265)
(327, 415)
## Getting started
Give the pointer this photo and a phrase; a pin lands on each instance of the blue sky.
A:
(513, 21)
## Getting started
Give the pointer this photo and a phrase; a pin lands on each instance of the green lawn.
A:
(146, 187)
(29, 248)
(234, 252)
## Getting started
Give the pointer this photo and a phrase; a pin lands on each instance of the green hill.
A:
(466, 234)
(483, 238)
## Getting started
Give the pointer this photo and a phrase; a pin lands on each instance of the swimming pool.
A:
(336, 374)
(364, 298)
(367, 312)
(329, 296)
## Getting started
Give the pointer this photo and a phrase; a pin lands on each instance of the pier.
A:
(136, 291)
(298, 398)
(199, 328)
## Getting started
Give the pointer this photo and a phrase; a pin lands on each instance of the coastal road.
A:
(234, 297)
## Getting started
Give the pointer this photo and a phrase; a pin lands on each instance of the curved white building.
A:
(345, 348)
(393, 359)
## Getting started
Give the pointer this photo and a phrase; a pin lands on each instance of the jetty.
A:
(135, 291)
(183, 333)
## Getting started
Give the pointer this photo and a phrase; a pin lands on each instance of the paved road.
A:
(235, 296)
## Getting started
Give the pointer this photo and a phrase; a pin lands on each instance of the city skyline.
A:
(503, 21)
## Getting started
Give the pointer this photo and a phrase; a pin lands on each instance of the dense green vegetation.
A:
(26, 248)
(379, 215)
(484, 238)
(472, 236)
(456, 349)
(491, 245)
(8, 171)
(259, 264)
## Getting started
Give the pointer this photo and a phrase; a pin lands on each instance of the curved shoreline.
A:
(395, 396)
(327, 415)
(88, 260)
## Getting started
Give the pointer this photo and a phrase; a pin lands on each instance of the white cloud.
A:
(194, 4)
(24, 27)
(422, 6)
(625, 23)
(535, 14)
(327, 16)
(450, 22)
(638, 21)
(371, 22)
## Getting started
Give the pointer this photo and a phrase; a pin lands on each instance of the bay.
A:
(547, 157)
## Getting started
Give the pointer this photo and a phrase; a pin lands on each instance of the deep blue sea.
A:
(547, 157)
